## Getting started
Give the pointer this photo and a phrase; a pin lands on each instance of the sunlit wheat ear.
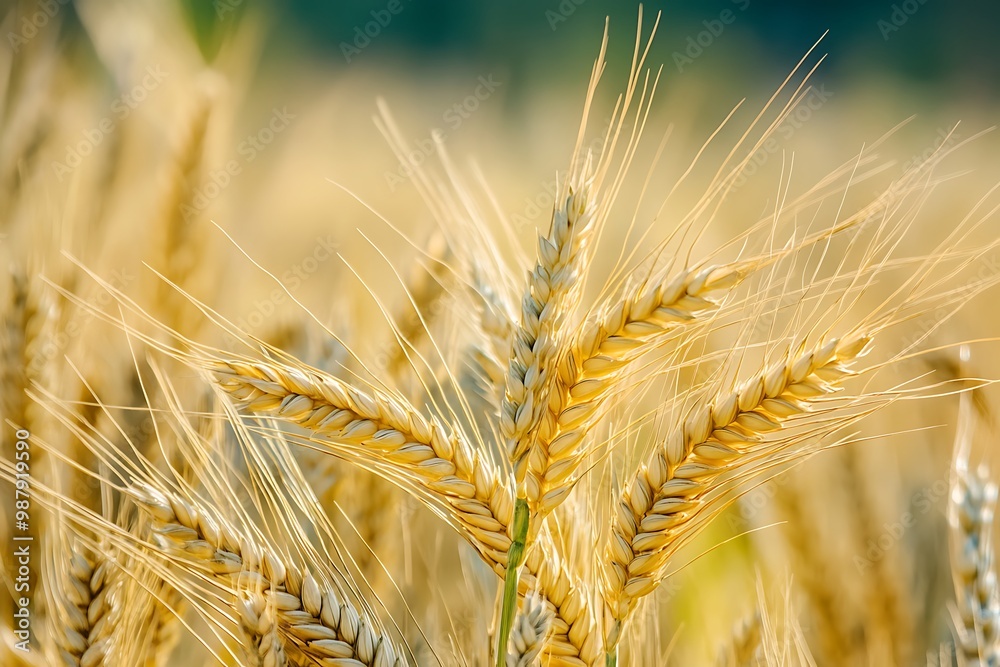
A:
(30, 317)
(260, 546)
(594, 363)
(84, 602)
(421, 455)
(549, 301)
(316, 622)
(421, 450)
(971, 514)
(665, 501)
(552, 286)
(530, 631)
(258, 620)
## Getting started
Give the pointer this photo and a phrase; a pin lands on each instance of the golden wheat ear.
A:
(593, 367)
(671, 493)
(314, 620)
(217, 548)
(529, 633)
(84, 604)
(420, 455)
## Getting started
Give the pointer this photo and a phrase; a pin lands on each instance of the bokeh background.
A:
(134, 133)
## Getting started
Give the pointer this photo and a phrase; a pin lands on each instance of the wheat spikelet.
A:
(668, 493)
(315, 621)
(528, 635)
(161, 622)
(422, 450)
(84, 604)
(488, 360)
(427, 452)
(973, 504)
(594, 361)
(552, 286)
(573, 637)
(258, 620)
(149, 627)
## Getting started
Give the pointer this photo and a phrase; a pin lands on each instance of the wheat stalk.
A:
(528, 635)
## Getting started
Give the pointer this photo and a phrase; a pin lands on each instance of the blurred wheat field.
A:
(407, 365)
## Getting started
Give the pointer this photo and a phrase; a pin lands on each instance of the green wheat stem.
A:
(515, 556)
(611, 645)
